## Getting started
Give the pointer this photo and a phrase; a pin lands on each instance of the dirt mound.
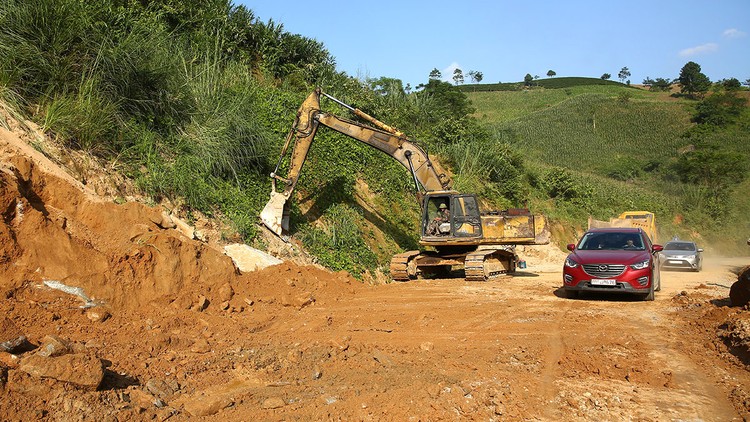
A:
(125, 255)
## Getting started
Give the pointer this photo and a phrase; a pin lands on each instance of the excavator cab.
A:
(450, 215)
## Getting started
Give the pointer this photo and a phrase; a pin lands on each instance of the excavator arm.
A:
(385, 138)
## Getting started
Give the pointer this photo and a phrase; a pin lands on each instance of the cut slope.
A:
(57, 230)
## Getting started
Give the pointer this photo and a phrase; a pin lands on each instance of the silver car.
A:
(682, 254)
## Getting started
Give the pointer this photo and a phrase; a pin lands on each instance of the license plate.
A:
(674, 262)
(603, 282)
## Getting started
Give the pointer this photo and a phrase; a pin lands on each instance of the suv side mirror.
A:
(657, 248)
(571, 246)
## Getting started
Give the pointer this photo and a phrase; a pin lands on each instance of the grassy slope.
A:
(585, 128)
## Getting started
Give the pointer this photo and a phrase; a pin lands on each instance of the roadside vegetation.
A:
(193, 101)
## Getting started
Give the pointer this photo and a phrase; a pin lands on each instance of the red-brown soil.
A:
(173, 331)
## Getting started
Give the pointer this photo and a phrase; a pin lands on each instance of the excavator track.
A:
(484, 264)
(402, 266)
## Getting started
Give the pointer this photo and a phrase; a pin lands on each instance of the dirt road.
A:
(514, 349)
(110, 312)
(326, 347)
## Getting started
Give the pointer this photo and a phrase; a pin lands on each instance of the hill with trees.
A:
(597, 150)
(193, 100)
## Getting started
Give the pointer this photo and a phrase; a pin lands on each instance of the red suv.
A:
(613, 260)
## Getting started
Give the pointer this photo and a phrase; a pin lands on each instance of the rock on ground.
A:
(249, 259)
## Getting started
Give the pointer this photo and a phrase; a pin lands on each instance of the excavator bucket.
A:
(275, 214)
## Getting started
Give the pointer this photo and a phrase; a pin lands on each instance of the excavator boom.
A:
(385, 138)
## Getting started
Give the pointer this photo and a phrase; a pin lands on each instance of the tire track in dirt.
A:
(694, 394)
(551, 368)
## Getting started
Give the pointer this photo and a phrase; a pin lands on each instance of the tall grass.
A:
(41, 43)
(491, 170)
(10, 103)
(223, 128)
(116, 82)
(85, 118)
(91, 69)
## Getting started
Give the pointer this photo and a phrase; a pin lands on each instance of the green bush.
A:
(562, 185)
(624, 168)
(339, 243)
(719, 109)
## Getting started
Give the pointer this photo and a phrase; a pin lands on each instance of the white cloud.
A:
(447, 73)
(698, 50)
(734, 33)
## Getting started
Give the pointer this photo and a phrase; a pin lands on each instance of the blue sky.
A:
(505, 40)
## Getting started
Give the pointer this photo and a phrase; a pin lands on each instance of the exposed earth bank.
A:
(110, 312)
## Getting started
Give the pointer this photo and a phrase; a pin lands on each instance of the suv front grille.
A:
(604, 270)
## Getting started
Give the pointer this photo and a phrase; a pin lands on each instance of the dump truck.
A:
(453, 231)
(640, 219)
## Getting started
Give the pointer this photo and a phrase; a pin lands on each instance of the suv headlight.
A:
(640, 265)
(570, 263)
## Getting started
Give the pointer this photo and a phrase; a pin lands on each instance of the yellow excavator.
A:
(453, 231)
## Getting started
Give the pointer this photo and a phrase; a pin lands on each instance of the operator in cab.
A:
(443, 216)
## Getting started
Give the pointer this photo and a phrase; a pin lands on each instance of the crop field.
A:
(586, 131)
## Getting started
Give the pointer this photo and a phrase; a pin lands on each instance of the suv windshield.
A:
(611, 241)
(680, 246)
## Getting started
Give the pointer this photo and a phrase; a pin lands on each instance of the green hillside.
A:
(612, 148)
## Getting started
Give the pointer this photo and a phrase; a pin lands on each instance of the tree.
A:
(663, 84)
(606, 76)
(458, 76)
(386, 86)
(528, 79)
(448, 100)
(731, 84)
(720, 108)
(551, 73)
(624, 74)
(692, 80)
(658, 84)
(475, 76)
(435, 74)
(712, 167)
(716, 171)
